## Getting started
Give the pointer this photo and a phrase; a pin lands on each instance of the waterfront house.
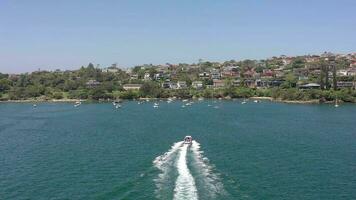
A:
(92, 83)
(353, 64)
(341, 72)
(249, 74)
(251, 83)
(259, 83)
(132, 86)
(169, 85)
(215, 74)
(236, 83)
(197, 84)
(181, 85)
(275, 83)
(218, 83)
(351, 71)
(204, 75)
(267, 73)
(346, 84)
(230, 71)
(302, 78)
(310, 86)
(111, 69)
(158, 76)
(134, 76)
(147, 77)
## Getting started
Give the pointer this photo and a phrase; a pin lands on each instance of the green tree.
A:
(5, 85)
(150, 89)
(290, 81)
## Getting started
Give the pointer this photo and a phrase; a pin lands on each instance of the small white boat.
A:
(185, 100)
(77, 103)
(336, 103)
(34, 105)
(188, 140)
(118, 106)
(243, 102)
(189, 104)
(201, 99)
(155, 105)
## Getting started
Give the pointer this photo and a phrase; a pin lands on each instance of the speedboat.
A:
(77, 103)
(188, 140)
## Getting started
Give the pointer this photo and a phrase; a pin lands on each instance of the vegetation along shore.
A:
(301, 79)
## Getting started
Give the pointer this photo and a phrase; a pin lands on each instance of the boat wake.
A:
(186, 174)
(185, 185)
(209, 182)
(165, 163)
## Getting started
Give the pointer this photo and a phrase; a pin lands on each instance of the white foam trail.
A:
(159, 161)
(185, 185)
(165, 163)
(211, 181)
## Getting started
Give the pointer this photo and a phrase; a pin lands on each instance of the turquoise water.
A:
(251, 151)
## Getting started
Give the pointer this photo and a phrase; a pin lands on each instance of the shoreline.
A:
(42, 101)
(312, 101)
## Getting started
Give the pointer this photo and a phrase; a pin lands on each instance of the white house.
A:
(197, 84)
(181, 84)
(132, 86)
(147, 76)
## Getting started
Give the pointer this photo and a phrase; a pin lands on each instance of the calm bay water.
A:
(251, 151)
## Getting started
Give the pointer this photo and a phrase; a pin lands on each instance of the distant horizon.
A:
(67, 35)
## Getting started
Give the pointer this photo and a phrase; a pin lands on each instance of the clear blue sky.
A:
(69, 33)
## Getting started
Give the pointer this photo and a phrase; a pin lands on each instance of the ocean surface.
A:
(241, 151)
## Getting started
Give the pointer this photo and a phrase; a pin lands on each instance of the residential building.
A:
(132, 86)
(181, 85)
(204, 75)
(341, 72)
(310, 86)
(134, 76)
(215, 74)
(197, 84)
(346, 84)
(92, 83)
(147, 77)
(110, 70)
(218, 83)
(351, 71)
